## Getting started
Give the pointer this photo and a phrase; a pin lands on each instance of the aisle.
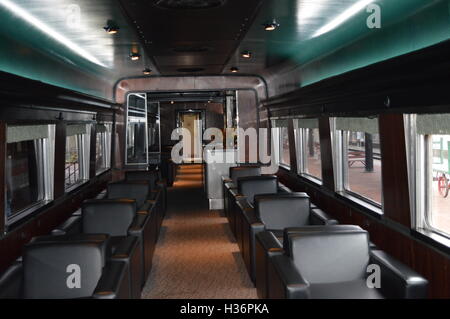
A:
(195, 256)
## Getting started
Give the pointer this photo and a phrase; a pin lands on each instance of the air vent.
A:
(190, 70)
(189, 4)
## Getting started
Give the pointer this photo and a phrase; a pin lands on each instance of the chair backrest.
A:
(61, 269)
(150, 176)
(103, 241)
(137, 190)
(244, 171)
(330, 256)
(108, 216)
(256, 185)
(279, 211)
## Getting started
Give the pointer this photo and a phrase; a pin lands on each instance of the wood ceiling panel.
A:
(219, 29)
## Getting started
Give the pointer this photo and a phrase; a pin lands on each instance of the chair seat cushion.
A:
(356, 289)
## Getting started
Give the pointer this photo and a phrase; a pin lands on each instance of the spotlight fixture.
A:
(111, 29)
(172, 102)
(135, 56)
(147, 71)
(246, 54)
(234, 69)
(271, 26)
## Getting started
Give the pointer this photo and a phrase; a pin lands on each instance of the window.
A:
(307, 145)
(358, 158)
(77, 154)
(103, 148)
(280, 138)
(29, 169)
(428, 140)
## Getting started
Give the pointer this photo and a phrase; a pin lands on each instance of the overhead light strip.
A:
(347, 14)
(49, 31)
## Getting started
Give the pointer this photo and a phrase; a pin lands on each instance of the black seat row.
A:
(292, 249)
(105, 250)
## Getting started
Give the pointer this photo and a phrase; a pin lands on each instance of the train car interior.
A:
(225, 149)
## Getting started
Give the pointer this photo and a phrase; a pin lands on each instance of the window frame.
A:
(281, 149)
(420, 174)
(45, 161)
(83, 139)
(106, 141)
(341, 173)
(300, 136)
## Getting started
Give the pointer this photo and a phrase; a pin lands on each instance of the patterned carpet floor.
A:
(196, 256)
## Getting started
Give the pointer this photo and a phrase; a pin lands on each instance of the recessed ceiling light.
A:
(246, 54)
(111, 29)
(147, 71)
(271, 26)
(135, 56)
(234, 69)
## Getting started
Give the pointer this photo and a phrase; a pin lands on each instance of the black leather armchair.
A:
(230, 182)
(244, 195)
(334, 265)
(52, 266)
(268, 244)
(157, 184)
(118, 218)
(147, 202)
(274, 213)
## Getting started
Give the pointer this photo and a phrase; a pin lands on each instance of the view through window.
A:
(29, 168)
(361, 157)
(308, 147)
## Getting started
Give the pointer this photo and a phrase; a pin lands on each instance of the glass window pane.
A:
(24, 184)
(285, 158)
(439, 209)
(73, 160)
(28, 169)
(313, 163)
(100, 164)
(363, 160)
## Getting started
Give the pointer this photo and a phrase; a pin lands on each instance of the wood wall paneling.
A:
(396, 204)
(2, 175)
(60, 159)
(92, 154)
(326, 153)
(292, 148)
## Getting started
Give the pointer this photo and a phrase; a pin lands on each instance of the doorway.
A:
(192, 148)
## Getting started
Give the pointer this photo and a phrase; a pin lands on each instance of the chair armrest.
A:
(256, 226)
(319, 217)
(283, 189)
(397, 279)
(235, 193)
(225, 179)
(249, 213)
(148, 205)
(124, 249)
(138, 224)
(11, 281)
(71, 226)
(269, 242)
(101, 195)
(113, 283)
(289, 279)
(162, 183)
(77, 212)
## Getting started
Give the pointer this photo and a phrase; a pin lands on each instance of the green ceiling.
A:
(407, 25)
